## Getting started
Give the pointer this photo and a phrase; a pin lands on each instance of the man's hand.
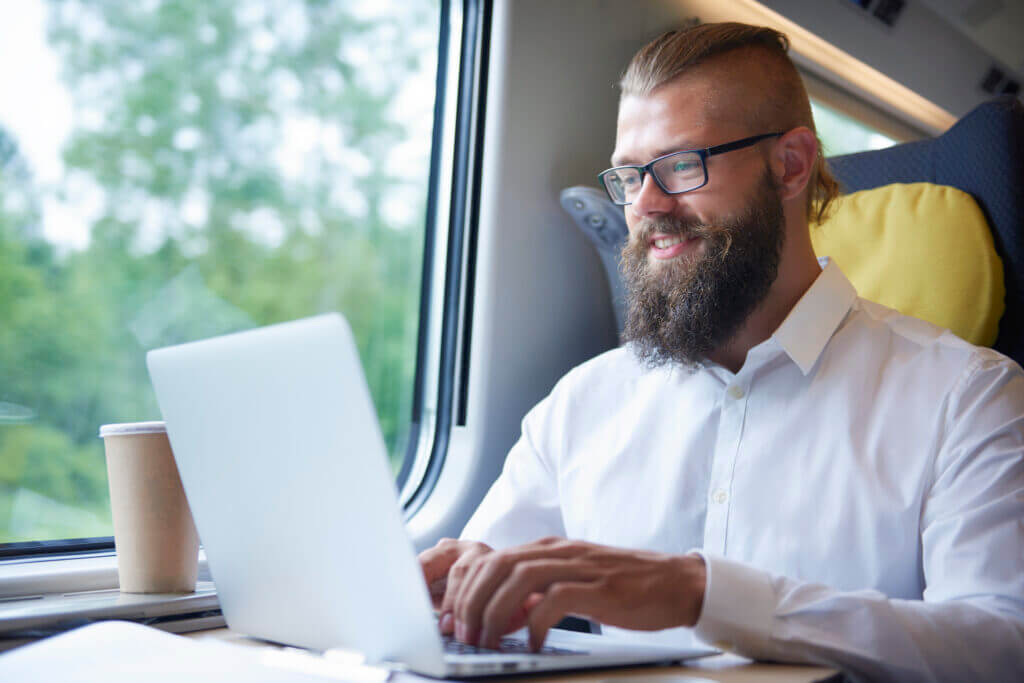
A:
(444, 567)
(496, 592)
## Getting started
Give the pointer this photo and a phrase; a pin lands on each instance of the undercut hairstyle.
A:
(783, 103)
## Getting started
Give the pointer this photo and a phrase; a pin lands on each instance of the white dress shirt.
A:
(856, 489)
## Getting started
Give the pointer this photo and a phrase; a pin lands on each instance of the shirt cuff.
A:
(738, 609)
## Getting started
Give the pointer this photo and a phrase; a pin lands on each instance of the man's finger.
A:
(460, 575)
(435, 562)
(522, 615)
(461, 593)
(437, 590)
(534, 576)
(455, 576)
(560, 600)
(475, 591)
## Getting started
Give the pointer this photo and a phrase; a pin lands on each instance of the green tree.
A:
(253, 164)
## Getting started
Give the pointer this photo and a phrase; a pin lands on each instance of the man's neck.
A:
(793, 281)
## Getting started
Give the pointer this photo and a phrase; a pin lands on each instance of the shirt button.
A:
(736, 392)
(720, 496)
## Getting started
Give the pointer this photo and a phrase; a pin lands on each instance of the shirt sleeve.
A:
(523, 503)
(969, 624)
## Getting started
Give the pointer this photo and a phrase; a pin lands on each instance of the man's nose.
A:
(651, 200)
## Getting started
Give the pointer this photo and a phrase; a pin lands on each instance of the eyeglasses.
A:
(674, 173)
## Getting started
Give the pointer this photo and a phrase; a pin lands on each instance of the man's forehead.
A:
(676, 116)
(713, 100)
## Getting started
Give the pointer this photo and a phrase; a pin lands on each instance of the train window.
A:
(849, 121)
(171, 171)
(843, 134)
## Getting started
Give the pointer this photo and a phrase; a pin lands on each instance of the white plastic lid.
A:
(124, 428)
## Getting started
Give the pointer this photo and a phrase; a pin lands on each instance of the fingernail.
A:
(446, 623)
(460, 631)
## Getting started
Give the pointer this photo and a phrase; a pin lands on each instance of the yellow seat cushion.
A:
(923, 249)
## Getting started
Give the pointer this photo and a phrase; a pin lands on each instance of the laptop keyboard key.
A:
(508, 646)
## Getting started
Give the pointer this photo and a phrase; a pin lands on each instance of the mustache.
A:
(719, 236)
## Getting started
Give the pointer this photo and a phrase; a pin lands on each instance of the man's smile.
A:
(666, 247)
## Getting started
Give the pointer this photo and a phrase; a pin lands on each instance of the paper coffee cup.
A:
(156, 540)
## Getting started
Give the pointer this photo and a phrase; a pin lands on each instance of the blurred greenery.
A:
(842, 134)
(248, 163)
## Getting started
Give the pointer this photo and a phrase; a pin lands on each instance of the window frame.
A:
(452, 306)
(26, 549)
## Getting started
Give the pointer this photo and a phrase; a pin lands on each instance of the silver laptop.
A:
(42, 614)
(286, 472)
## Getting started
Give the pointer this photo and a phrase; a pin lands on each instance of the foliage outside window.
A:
(842, 134)
(172, 170)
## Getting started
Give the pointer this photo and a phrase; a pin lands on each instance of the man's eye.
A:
(630, 181)
(683, 166)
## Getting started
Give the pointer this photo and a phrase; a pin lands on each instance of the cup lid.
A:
(123, 428)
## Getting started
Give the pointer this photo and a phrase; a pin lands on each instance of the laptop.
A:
(286, 472)
(42, 614)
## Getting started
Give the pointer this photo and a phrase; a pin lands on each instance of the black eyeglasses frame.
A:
(646, 169)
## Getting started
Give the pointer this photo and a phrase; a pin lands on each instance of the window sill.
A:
(65, 574)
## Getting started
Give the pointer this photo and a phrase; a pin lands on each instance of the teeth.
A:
(667, 242)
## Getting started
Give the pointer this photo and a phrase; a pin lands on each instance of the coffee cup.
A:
(156, 540)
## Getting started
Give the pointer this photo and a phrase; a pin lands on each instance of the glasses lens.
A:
(680, 172)
(622, 184)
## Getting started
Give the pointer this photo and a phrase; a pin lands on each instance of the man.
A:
(795, 473)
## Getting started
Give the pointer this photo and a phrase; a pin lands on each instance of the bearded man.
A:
(790, 471)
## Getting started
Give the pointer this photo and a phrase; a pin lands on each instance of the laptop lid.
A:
(285, 469)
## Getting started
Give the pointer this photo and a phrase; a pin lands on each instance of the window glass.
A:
(842, 134)
(171, 170)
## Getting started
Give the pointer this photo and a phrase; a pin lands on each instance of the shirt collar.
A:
(808, 327)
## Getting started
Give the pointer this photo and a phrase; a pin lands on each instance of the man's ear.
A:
(792, 161)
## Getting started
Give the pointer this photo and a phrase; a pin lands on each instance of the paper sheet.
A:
(116, 651)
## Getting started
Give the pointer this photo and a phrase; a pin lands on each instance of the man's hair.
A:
(784, 104)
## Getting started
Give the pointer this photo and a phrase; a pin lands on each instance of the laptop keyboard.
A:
(514, 646)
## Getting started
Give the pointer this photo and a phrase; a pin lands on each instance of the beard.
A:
(682, 309)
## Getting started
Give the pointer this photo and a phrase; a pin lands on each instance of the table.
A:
(724, 668)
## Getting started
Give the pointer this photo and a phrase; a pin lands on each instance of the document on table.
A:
(119, 651)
